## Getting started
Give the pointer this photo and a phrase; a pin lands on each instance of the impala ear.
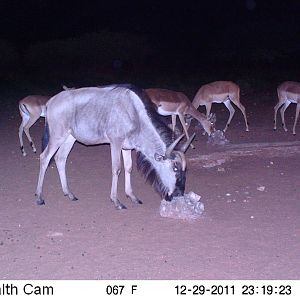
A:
(159, 157)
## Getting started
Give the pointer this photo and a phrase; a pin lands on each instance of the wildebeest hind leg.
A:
(45, 157)
(60, 159)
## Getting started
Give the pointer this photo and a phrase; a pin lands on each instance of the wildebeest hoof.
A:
(135, 200)
(71, 197)
(40, 202)
(121, 206)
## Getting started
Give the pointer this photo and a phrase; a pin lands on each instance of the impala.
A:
(288, 92)
(124, 117)
(174, 103)
(31, 109)
(220, 92)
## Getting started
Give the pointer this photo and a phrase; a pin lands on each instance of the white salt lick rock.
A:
(187, 207)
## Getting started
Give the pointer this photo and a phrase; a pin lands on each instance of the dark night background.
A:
(180, 45)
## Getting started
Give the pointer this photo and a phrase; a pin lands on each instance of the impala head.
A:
(209, 124)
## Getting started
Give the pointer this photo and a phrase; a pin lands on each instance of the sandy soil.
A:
(250, 229)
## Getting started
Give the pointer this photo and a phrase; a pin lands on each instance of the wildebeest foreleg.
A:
(128, 169)
(60, 159)
(116, 170)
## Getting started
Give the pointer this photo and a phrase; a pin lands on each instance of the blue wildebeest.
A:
(31, 109)
(124, 117)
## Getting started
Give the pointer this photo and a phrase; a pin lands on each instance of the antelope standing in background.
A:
(220, 92)
(288, 92)
(178, 104)
(124, 117)
(31, 109)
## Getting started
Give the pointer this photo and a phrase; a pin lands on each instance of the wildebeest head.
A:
(168, 173)
(172, 174)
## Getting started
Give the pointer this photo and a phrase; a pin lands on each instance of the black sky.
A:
(36, 20)
(185, 30)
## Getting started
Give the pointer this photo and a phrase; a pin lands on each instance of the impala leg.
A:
(231, 112)
(296, 118)
(173, 126)
(31, 121)
(208, 109)
(116, 170)
(276, 107)
(282, 111)
(128, 169)
(188, 120)
(182, 120)
(44, 162)
(173, 122)
(60, 160)
(21, 129)
(243, 110)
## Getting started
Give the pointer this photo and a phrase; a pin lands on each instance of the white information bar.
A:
(156, 289)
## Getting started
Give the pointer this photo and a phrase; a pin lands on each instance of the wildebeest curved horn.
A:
(172, 146)
(187, 143)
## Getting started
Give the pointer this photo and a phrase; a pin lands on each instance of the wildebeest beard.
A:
(148, 171)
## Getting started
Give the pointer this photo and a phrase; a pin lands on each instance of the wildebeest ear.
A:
(158, 157)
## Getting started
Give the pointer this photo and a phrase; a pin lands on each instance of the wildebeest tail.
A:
(45, 138)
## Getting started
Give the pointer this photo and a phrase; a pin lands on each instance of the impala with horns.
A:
(220, 92)
(31, 109)
(288, 92)
(124, 117)
(174, 103)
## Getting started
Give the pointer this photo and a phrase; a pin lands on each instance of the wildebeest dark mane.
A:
(164, 131)
(145, 167)
(143, 164)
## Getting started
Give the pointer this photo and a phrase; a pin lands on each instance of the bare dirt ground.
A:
(250, 228)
